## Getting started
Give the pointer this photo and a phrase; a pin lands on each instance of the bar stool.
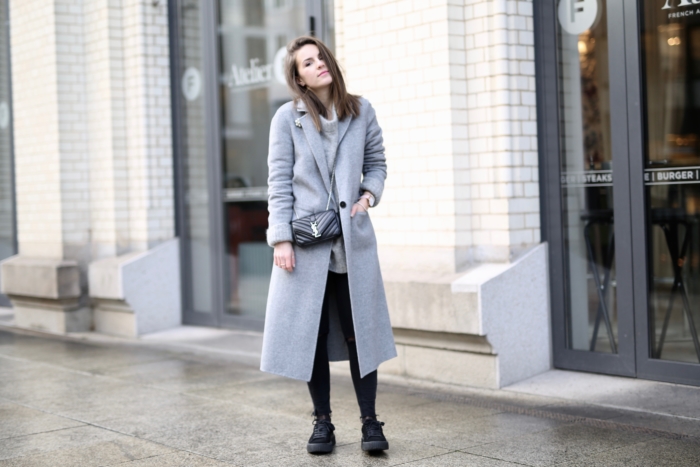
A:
(601, 217)
(670, 220)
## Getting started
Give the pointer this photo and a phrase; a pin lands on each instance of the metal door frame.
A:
(211, 53)
(189, 316)
(546, 50)
(647, 367)
(4, 300)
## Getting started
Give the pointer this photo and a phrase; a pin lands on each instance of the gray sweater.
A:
(329, 136)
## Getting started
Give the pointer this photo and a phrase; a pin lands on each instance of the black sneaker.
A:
(322, 439)
(372, 436)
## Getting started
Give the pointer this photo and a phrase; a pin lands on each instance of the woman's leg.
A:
(322, 439)
(320, 384)
(365, 388)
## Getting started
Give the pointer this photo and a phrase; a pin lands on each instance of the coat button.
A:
(342, 204)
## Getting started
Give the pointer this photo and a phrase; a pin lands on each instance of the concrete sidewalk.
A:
(191, 400)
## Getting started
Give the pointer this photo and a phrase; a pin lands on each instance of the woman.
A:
(326, 301)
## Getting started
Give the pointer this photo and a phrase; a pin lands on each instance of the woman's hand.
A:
(284, 256)
(362, 203)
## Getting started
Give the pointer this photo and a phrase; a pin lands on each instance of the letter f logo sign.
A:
(576, 16)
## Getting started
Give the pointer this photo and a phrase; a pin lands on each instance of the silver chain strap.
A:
(330, 193)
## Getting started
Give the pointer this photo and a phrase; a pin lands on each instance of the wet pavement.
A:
(73, 402)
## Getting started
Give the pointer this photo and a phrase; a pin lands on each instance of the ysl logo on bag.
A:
(314, 228)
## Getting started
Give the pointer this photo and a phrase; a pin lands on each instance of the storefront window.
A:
(671, 53)
(586, 177)
(7, 199)
(253, 36)
(230, 80)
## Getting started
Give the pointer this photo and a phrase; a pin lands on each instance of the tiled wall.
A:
(454, 88)
(502, 126)
(93, 144)
(38, 174)
(149, 148)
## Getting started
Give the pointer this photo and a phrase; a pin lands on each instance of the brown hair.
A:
(345, 103)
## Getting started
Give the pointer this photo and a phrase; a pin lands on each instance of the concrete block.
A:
(417, 302)
(45, 294)
(137, 293)
(105, 279)
(444, 366)
(54, 318)
(514, 313)
(40, 277)
(114, 318)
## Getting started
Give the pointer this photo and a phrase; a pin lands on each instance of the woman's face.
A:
(311, 68)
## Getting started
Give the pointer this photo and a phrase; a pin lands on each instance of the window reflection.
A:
(253, 35)
(7, 204)
(671, 52)
(587, 188)
(195, 229)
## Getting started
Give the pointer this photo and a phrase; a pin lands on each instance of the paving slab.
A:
(40, 443)
(18, 420)
(76, 402)
(653, 453)
(460, 459)
(615, 391)
(177, 459)
(115, 451)
(563, 444)
(478, 431)
(401, 452)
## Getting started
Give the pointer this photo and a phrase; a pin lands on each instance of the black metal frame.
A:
(547, 64)
(626, 75)
(188, 315)
(211, 54)
(647, 367)
(4, 301)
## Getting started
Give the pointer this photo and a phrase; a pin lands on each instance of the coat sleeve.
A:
(280, 162)
(374, 165)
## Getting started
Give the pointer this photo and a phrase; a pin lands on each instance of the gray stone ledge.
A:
(47, 278)
(443, 340)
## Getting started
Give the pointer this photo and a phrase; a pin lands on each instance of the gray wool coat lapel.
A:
(314, 139)
(315, 143)
(298, 181)
(343, 128)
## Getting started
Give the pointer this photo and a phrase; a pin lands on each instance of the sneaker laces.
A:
(322, 429)
(373, 428)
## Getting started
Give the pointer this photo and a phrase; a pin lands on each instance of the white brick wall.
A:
(92, 130)
(149, 147)
(105, 91)
(501, 128)
(36, 135)
(453, 85)
(396, 54)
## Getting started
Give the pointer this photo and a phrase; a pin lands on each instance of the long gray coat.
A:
(299, 178)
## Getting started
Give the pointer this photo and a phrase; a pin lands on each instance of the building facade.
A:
(541, 207)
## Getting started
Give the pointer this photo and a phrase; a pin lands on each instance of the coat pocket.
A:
(362, 231)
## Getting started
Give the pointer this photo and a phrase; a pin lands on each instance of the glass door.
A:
(621, 165)
(669, 315)
(593, 321)
(227, 61)
(252, 39)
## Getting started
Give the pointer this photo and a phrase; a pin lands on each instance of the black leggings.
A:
(320, 384)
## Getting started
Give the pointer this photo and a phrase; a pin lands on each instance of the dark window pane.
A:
(671, 53)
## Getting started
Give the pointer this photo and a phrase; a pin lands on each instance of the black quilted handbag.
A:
(318, 227)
